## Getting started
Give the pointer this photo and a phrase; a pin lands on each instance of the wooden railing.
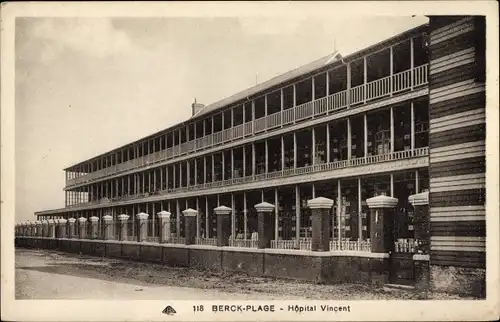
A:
(206, 241)
(248, 243)
(372, 159)
(403, 81)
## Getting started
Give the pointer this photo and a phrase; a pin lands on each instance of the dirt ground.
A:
(44, 274)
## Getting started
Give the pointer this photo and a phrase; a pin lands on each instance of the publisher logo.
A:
(169, 310)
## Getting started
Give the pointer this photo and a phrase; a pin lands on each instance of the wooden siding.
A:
(457, 127)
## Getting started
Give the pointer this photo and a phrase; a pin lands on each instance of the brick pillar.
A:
(71, 228)
(45, 228)
(61, 228)
(321, 223)
(265, 221)
(165, 229)
(39, 228)
(82, 227)
(421, 224)
(190, 216)
(31, 228)
(223, 225)
(382, 223)
(51, 228)
(94, 227)
(108, 227)
(122, 219)
(142, 230)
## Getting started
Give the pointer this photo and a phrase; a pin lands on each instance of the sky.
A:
(85, 86)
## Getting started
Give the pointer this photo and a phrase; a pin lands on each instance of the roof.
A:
(325, 62)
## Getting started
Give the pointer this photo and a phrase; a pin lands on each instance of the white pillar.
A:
(178, 218)
(391, 68)
(282, 153)
(253, 158)
(295, 150)
(245, 227)
(417, 188)
(348, 85)
(412, 122)
(327, 141)
(339, 210)
(207, 223)
(266, 154)
(412, 62)
(276, 211)
(392, 129)
(365, 135)
(313, 149)
(349, 140)
(297, 213)
(365, 78)
(360, 218)
(233, 217)
(392, 185)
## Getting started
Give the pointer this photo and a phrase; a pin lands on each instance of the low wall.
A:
(324, 267)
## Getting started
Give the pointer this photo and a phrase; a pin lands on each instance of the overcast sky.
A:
(86, 86)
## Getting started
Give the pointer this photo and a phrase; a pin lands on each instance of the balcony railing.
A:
(248, 243)
(403, 81)
(372, 159)
(206, 241)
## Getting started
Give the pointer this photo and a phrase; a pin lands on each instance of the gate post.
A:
(123, 226)
(223, 225)
(94, 227)
(142, 231)
(45, 228)
(51, 229)
(265, 221)
(108, 227)
(71, 227)
(61, 227)
(421, 224)
(190, 216)
(381, 234)
(321, 223)
(39, 229)
(82, 227)
(165, 230)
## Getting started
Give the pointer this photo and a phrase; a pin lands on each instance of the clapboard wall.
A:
(457, 141)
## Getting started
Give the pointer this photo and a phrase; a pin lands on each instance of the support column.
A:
(339, 213)
(142, 231)
(313, 148)
(265, 220)
(321, 223)
(94, 227)
(253, 159)
(360, 212)
(297, 214)
(233, 217)
(412, 126)
(165, 228)
(421, 220)
(266, 155)
(392, 129)
(365, 135)
(108, 223)
(282, 153)
(223, 226)
(178, 218)
(276, 214)
(71, 228)
(190, 216)
(61, 228)
(327, 141)
(245, 224)
(349, 139)
(82, 227)
(122, 219)
(295, 150)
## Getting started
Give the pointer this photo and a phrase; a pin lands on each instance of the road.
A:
(40, 275)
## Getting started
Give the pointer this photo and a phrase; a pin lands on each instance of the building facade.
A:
(401, 118)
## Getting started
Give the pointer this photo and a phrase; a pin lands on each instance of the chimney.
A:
(196, 107)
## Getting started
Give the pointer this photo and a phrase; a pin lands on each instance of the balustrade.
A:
(402, 81)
